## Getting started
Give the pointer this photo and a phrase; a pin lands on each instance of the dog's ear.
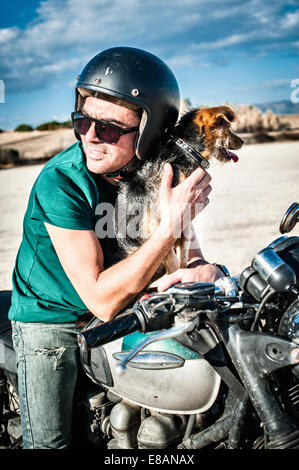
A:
(202, 117)
(227, 113)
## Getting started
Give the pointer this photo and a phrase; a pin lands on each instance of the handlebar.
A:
(155, 313)
(108, 331)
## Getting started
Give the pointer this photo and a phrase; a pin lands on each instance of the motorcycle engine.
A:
(289, 324)
(276, 267)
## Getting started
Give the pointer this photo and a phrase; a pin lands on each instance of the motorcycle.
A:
(199, 366)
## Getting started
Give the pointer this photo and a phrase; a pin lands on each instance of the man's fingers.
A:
(203, 194)
(199, 207)
(196, 183)
(199, 177)
(169, 280)
(167, 175)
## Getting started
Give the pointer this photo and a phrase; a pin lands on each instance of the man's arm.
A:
(106, 292)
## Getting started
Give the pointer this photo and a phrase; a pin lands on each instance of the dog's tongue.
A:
(231, 155)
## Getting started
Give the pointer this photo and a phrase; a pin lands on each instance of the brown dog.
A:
(199, 133)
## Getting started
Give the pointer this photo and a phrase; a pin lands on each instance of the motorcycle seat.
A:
(7, 353)
(5, 302)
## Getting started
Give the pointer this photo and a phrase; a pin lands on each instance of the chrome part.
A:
(160, 431)
(219, 290)
(277, 242)
(266, 262)
(96, 400)
(290, 218)
(295, 355)
(278, 274)
(226, 286)
(151, 360)
(125, 420)
(189, 288)
(157, 389)
(97, 407)
(105, 426)
(179, 328)
(222, 268)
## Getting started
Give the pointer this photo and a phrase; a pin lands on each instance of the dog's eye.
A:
(221, 121)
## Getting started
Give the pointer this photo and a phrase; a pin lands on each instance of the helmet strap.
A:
(124, 171)
(129, 167)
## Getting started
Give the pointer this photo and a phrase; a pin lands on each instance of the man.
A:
(125, 100)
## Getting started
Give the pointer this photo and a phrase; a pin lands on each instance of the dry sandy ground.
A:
(247, 202)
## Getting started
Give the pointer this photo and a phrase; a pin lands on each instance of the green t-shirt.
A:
(66, 194)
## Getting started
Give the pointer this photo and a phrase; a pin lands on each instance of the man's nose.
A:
(91, 134)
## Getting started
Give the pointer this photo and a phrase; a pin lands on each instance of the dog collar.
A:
(196, 156)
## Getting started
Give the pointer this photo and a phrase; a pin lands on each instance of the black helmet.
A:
(141, 78)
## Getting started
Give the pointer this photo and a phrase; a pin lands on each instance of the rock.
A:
(8, 157)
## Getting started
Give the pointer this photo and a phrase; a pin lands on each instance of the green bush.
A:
(48, 126)
(24, 128)
(67, 124)
(53, 125)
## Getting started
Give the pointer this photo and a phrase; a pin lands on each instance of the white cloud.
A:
(61, 117)
(67, 33)
(187, 60)
(275, 83)
(8, 34)
(223, 42)
(291, 20)
(267, 85)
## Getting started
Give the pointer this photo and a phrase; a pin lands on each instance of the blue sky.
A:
(220, 50)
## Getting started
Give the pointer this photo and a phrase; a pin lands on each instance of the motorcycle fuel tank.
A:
(165, 376)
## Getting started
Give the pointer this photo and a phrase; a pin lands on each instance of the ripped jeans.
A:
(47, 361)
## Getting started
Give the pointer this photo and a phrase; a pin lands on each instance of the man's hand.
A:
(180, 204)
(203, 273)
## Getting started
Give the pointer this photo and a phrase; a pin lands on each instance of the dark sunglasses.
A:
(105, 131)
